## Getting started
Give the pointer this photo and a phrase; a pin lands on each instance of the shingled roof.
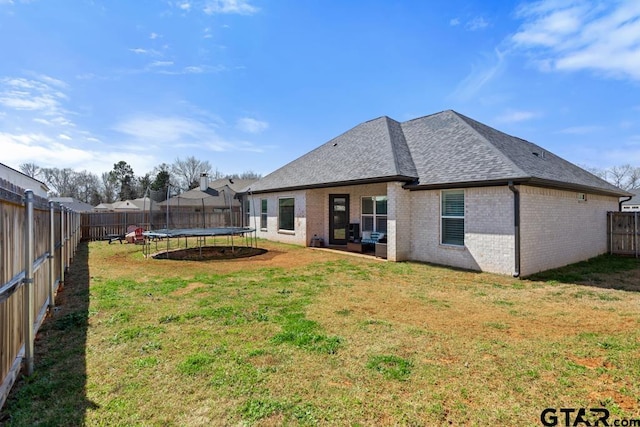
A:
(442, 150)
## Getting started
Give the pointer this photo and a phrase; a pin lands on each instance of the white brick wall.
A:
(298, 236)
(398, 222)
(489, 241)
(557, 229)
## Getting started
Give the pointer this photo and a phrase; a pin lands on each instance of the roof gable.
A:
(374, 150)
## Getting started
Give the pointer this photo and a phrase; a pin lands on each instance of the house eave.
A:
(377, 180)
(534, 182)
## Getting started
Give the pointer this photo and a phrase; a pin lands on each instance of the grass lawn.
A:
(299, 336)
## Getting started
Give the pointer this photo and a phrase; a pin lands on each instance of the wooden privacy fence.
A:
(623, 232)
(37, 242)
(98, 225)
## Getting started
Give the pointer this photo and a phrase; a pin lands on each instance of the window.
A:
(452, 216)
(286, 214)
(263, 214)
(247, 212)
(374, 214)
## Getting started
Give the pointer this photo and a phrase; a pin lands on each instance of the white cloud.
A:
(241, 7)
(65, 137)
(160, 132)
(480, 75)
(154, 36)
(517, 116)
(581, 130)
(582, 35)
(141, 51)
(195, 69)
(185, 5)
(249, 125)
(454, 22)
(40, 149)
(161, 63)
(477, 23)
(31, 95)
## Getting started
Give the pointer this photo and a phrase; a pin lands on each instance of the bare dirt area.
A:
(207, 253)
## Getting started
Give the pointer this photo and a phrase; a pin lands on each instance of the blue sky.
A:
(254, 84)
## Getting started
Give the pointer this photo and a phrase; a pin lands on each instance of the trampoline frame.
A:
(201, 233)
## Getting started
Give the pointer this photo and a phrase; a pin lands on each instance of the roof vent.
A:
(540, 154)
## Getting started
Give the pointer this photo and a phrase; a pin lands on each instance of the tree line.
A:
(626, 177)
(121, 183)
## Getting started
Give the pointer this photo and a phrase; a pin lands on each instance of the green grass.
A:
(332, 341)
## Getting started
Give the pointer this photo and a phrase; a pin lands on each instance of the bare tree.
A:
(626, 177)
(109, 186)
(88, 185)
(244, 175)
(62, 181)
(188, 171)
(31, 169)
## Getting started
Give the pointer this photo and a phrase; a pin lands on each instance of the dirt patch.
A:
(189, 288)
(207, 253)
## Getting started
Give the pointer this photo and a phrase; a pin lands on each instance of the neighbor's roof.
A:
(139, 204)
(212, 198)
(445, 149)
(73, 204)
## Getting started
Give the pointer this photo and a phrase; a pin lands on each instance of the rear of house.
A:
(443, 189)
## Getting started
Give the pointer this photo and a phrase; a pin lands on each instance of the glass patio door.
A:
(338, 218)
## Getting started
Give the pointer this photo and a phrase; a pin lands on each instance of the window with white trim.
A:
(374, 214)
(263, 214)
(286, 214)
(452, 217)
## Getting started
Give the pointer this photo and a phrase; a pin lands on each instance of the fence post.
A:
(635, 234)
(28, 310)
(62, 246)
(52, 251)
(610, 217)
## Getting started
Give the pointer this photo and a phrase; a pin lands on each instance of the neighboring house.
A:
(73, 204)
(216, 196)
(16, 181)
(103, 207)
(141, 204)
(632, 205)
(444, 189)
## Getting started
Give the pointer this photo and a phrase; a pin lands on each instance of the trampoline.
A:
(231, 250)
(197, 232)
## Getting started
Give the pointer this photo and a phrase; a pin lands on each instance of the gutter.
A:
(516, 227)
(623, 201)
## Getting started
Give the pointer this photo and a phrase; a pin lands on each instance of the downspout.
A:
(622, 201)
(516, 227)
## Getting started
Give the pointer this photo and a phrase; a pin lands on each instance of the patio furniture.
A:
(371, 237)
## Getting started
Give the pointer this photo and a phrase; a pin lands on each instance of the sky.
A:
(250, 85)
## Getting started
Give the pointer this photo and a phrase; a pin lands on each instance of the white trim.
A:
(463, 217)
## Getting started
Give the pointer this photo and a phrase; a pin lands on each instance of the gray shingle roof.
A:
(443, 149)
